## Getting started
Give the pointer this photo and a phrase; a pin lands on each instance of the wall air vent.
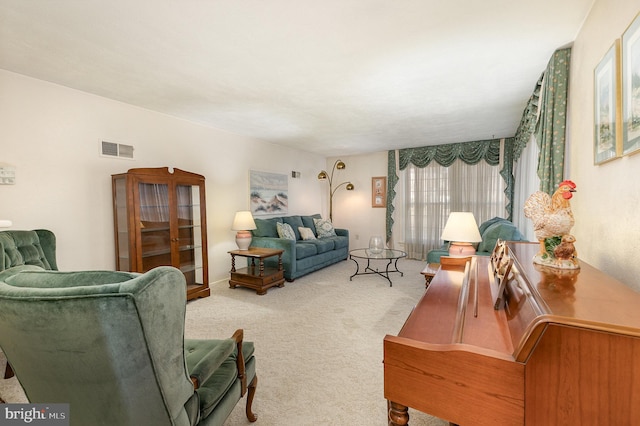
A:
(118, 150)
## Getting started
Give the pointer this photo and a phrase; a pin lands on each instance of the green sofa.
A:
(300, 257)
(490, 231)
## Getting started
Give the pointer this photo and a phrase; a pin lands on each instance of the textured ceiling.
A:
(335, 77)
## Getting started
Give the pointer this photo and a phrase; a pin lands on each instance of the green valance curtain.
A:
(445, 155)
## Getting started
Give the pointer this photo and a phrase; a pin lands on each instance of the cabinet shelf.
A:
(151, 231)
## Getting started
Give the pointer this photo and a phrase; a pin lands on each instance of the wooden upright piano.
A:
(534, 346)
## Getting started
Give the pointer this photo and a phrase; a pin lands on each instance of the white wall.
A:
(352, 209)
(52, 135)
(607, 203)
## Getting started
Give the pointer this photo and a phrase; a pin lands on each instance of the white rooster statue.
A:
(552, 220)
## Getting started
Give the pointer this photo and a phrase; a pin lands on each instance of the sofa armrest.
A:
(277, 243)
(342, 232)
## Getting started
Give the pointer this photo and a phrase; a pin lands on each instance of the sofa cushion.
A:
(309, 223)
(305, 249)
(339, 242)
(323, 245)
(266, 227)
(324, 228)
(285, 231)
(295, 222)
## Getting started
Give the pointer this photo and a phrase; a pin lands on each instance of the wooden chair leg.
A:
(252, 391)
(8, 371)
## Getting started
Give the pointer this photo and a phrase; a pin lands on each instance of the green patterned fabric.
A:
(445, 155)
(507, 174)
(527, 125)
(285, 231)
(550, 134)
(392, 180)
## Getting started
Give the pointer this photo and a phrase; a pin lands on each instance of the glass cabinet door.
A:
(155, 225)
(121, 217)
(190, 233)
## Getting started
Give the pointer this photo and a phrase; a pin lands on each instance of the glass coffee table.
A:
(388, 255)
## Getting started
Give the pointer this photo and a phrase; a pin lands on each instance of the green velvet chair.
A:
(111, 344)
(26, 250)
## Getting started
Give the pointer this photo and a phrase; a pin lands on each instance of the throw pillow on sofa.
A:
(285, 231)
(306, 233)
(324, 227)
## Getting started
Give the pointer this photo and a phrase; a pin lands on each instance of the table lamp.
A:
(462, 231)
(243, 222)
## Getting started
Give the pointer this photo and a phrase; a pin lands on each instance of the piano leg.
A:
(398, 414)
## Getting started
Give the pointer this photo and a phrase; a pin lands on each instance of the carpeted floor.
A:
(318, 344)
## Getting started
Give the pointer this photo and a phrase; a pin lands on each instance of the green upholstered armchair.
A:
(26, 250)
(34, 248)
(111, 344)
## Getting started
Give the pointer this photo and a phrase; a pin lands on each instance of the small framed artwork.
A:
(631, 88)
(379, 191)
(607, 105)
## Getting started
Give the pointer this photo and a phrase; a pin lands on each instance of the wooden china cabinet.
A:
(160, 219)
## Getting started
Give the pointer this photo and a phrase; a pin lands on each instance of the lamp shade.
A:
(243, 221)
(461, 227)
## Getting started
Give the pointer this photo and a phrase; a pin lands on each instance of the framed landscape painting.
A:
(631, 88)
(607, 103)
(268, 193)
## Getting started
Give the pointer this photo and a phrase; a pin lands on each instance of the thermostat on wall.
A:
(7, 174)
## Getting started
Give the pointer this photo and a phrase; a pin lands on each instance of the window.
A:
(432, 192)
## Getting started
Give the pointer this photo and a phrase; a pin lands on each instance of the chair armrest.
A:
(237, 337)
(209, 359)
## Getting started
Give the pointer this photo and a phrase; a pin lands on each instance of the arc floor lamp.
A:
(323, 175)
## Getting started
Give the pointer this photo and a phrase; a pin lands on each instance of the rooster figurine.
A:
(552, 218)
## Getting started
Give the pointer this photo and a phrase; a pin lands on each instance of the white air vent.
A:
(111, 149)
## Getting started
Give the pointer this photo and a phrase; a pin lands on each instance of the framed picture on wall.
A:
(631, 88)
(607, 104)
(379, 191)
(268, 193)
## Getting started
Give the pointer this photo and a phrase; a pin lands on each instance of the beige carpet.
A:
(318, 344)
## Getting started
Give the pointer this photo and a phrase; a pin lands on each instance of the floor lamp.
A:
(324, 176)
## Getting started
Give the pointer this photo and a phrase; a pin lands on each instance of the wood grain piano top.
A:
(583, 296)
(457, 307)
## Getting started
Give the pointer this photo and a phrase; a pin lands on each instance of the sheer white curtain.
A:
(432, 192)
(526, 183)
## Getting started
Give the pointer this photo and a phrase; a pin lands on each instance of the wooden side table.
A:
(257, 277)
(429, 272)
